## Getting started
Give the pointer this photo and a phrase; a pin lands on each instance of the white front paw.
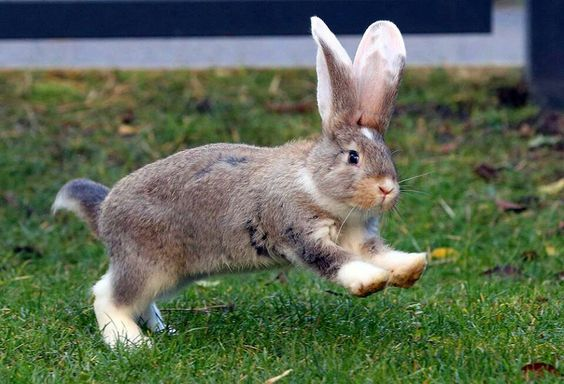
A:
(405, 268)
(362, 278)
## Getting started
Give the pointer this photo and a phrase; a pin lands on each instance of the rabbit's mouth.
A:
(381, 193)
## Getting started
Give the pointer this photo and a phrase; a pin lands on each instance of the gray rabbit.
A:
(225, 208)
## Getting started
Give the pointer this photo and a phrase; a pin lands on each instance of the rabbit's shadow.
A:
(266, 322)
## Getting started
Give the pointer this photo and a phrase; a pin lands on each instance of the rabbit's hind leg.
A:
(152, 318)
(115, 319)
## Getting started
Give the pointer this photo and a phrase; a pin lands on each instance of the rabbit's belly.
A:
(227, 262)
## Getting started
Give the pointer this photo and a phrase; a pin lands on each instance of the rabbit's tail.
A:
(83, 197)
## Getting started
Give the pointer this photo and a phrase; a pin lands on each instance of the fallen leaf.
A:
(128, 117)
(529, 255)
(276, 378)
(127, 130)
(299, 107)
(525, 130)
(204, 106)
(550, 250)
(207, 283)
(503, 270)
(552, 188)
(543, 141)
(274, 86)
(486, 171)
(538, 369)
(220, 307)
(513, 96)
(443, 253)
(508, 206)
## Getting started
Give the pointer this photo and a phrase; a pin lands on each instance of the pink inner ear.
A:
(377, 67)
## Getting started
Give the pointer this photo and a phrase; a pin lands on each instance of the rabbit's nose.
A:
(385, 190)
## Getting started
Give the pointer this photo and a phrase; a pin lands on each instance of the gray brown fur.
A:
(225, 208)
(89, 195)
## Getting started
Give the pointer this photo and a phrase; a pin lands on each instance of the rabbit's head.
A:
(351, 163)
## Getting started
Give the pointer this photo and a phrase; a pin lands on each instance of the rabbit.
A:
(224, 208)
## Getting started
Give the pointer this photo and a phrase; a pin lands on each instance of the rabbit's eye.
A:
(353, 157)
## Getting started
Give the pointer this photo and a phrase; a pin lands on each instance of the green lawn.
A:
(456, 325)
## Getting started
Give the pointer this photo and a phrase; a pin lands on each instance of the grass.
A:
(456, 325)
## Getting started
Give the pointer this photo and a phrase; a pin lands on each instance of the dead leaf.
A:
(128, 117)
(127, 130)
(503, 270)
(550, 250)
(552, 188)
(486, 171)
(543, 141)
(207, 283)
(299, 107)
(204, 105)
(274, 86)
(220, 307)
(443, 253)
(276, 378)
(508, 206)
(538, 369)
(529, 255)
(525, 130)
(513, 96)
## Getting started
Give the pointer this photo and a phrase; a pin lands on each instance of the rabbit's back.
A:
(208, 205)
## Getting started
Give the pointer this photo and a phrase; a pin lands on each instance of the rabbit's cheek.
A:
(366, 195)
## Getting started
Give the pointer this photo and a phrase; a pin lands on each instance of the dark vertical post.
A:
(545, 51)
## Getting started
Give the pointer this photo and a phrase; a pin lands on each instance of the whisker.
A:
(414, 191)
(343, 223)
(414, 177)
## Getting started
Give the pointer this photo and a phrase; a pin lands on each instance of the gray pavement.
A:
(504, 47)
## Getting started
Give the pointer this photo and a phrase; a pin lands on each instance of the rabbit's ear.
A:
(378, 67)
(336, 87)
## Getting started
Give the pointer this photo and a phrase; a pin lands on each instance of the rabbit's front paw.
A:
(408, 268)
(361, 278)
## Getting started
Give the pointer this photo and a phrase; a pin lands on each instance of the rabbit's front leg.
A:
(405, 268)
(331, 261)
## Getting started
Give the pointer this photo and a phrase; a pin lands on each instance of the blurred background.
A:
(503, 45)
(99, 88)
(258, 34)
